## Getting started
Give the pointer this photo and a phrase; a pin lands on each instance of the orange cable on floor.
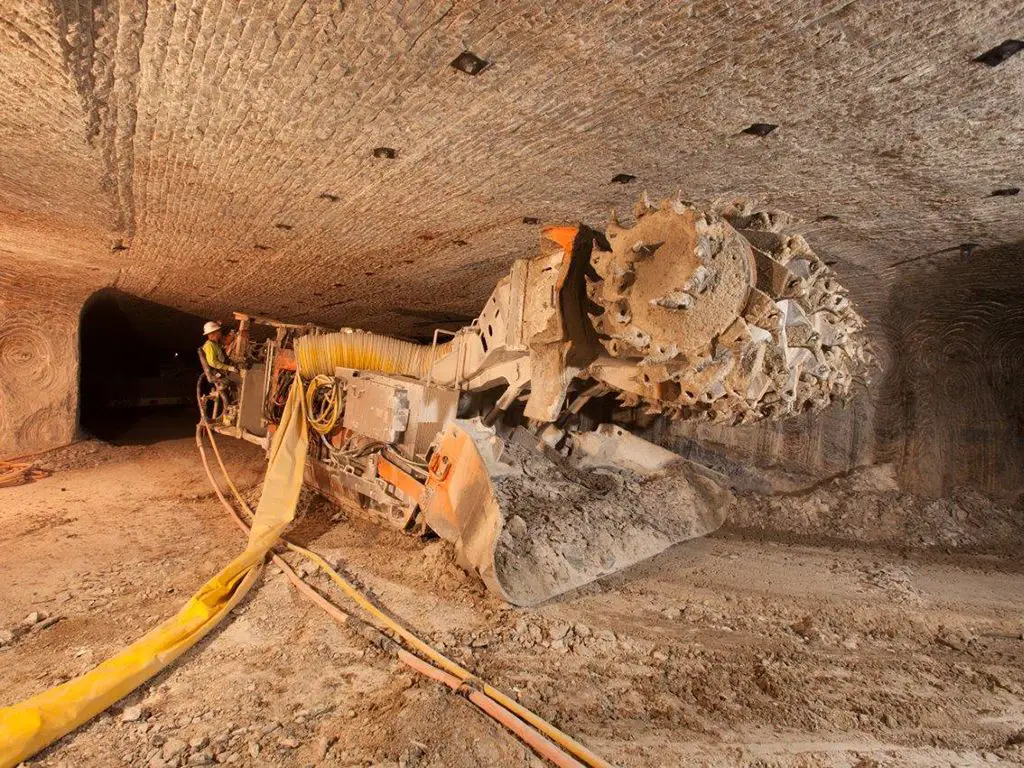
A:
(14, 473)
(547, 740)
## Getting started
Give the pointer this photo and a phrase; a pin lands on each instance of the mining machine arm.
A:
(511, 439)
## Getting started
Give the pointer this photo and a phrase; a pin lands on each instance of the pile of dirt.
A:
(867, 506)
(84, 454)
(565, 527)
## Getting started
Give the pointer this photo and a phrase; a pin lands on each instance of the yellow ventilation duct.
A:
(321, 354)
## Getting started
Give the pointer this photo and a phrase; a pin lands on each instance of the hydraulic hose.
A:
(493, 709)
(323, 404)
(446, 664)
(289, 572)
(19, 472)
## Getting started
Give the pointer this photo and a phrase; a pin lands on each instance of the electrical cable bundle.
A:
(279, 395)
(323, 403)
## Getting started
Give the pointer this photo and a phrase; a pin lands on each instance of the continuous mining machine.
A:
(511, 438)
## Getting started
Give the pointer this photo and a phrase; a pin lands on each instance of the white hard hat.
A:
(210, 327)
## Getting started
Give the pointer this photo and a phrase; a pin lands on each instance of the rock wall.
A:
(324, 161)
(950, 407)
(799, 451)
(56, 230)
(38, 374)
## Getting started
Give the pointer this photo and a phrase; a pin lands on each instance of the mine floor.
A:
(738, 649)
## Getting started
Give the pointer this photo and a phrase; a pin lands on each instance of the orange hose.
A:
(14, 473)
(511, 708)
(542, 746)
(41, 453)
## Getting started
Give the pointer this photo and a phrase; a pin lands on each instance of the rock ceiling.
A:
(215, 155)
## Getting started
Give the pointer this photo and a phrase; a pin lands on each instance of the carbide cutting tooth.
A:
(643, 206)
(614, 227)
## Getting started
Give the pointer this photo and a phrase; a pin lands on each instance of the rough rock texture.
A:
(39, 383)
(951, 405)
(727, 651)
(212, 155)
(868, 506)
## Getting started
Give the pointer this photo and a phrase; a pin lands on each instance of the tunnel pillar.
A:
(38, 373)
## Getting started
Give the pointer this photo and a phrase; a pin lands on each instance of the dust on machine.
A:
(517, 438)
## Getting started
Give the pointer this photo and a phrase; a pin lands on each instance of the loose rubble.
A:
(867, 507)
(726, 651)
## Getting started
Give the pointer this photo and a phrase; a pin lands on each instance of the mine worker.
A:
(213, 348)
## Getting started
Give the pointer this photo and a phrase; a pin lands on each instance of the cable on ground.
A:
(522, 722)
(14, 473)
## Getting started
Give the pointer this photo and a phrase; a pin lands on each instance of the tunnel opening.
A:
(138, 369)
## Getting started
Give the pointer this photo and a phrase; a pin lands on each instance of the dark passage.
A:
(138, 369)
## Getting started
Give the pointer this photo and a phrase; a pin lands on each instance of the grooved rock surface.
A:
(213, 155)
(39, 386)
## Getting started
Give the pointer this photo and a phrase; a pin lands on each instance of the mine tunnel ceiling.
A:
(382, 167)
